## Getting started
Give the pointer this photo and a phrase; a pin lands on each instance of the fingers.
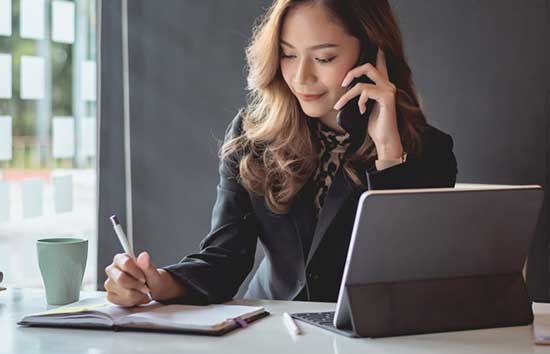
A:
(363, 102)
(124, 297)
(365, 69)
(143, 261)
(123, 281)
(382, 94)
(127, 299)
(381, 63)
(128, 264)
(370, 90)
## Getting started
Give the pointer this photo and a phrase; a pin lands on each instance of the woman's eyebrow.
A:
(313, 47)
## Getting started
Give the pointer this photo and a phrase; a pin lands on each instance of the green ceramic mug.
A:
(62, 262)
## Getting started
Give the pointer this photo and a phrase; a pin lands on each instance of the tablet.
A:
(405, 235)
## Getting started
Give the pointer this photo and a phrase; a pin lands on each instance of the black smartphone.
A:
(349, 117)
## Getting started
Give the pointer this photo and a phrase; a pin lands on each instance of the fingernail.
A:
(345, 83)
(337, 106)
(362, 110)
(145, 290)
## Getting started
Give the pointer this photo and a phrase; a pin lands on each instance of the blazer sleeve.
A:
(227, 252)
(437, 168)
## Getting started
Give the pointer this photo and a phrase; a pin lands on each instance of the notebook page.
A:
(115, 312)
(87, 310)
(211, 317)
(91, 311)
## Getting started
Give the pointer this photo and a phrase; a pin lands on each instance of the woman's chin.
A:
(314, 112)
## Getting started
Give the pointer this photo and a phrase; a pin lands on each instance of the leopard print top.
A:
(332, 148)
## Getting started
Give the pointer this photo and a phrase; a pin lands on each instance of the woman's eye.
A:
(324, 61)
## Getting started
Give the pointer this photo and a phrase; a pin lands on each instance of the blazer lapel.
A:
(302, 211)
(302, 215)
(339, 191)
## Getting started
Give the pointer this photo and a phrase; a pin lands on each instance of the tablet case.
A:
(439, 305)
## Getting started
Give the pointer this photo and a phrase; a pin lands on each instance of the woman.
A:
(287, 173)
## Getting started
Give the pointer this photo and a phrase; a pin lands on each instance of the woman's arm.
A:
(227, 253)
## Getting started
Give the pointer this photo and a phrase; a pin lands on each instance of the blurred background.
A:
(48, 131)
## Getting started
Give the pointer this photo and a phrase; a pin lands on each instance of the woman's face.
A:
(316, 55)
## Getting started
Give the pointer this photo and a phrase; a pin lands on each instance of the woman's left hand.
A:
(382, 127)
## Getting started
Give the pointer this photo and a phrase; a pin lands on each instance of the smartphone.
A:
(349, 117)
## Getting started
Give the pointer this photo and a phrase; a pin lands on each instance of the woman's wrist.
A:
(390, 151)
(171, 288)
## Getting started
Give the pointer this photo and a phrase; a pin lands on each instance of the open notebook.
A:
(99, 313)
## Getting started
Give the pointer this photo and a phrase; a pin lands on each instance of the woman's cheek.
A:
(337, 93)
(335, 78)
(284, 70)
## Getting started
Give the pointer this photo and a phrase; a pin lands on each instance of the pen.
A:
(124, 242)
(291, 326)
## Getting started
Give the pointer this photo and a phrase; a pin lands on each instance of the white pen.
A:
(292, 327)
(124, 242)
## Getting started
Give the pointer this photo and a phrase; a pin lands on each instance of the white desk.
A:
(265, 336)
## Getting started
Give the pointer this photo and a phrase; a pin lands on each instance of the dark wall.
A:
(479, 66)
(187, 82)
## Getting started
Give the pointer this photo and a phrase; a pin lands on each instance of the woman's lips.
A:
(309, 97)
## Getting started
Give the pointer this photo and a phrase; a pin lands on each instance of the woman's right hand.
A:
(129, 280)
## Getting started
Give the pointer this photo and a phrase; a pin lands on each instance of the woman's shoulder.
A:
(235, 126)
(436, 139)
(230, 153)
(437, 147)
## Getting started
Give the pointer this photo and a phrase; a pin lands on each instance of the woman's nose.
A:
(304, 75)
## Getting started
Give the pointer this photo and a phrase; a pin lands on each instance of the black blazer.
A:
(302, 261)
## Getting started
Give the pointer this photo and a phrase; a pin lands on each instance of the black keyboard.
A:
(320, 318)
(324, 320)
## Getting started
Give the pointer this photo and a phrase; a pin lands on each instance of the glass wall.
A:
(47, 132)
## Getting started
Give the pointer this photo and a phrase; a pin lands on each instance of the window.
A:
(47, 132)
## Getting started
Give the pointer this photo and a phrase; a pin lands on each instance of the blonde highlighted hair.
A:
(277, 153)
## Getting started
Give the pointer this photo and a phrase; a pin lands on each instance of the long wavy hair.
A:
(277, 153)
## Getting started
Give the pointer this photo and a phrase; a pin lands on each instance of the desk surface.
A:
(264, 336)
